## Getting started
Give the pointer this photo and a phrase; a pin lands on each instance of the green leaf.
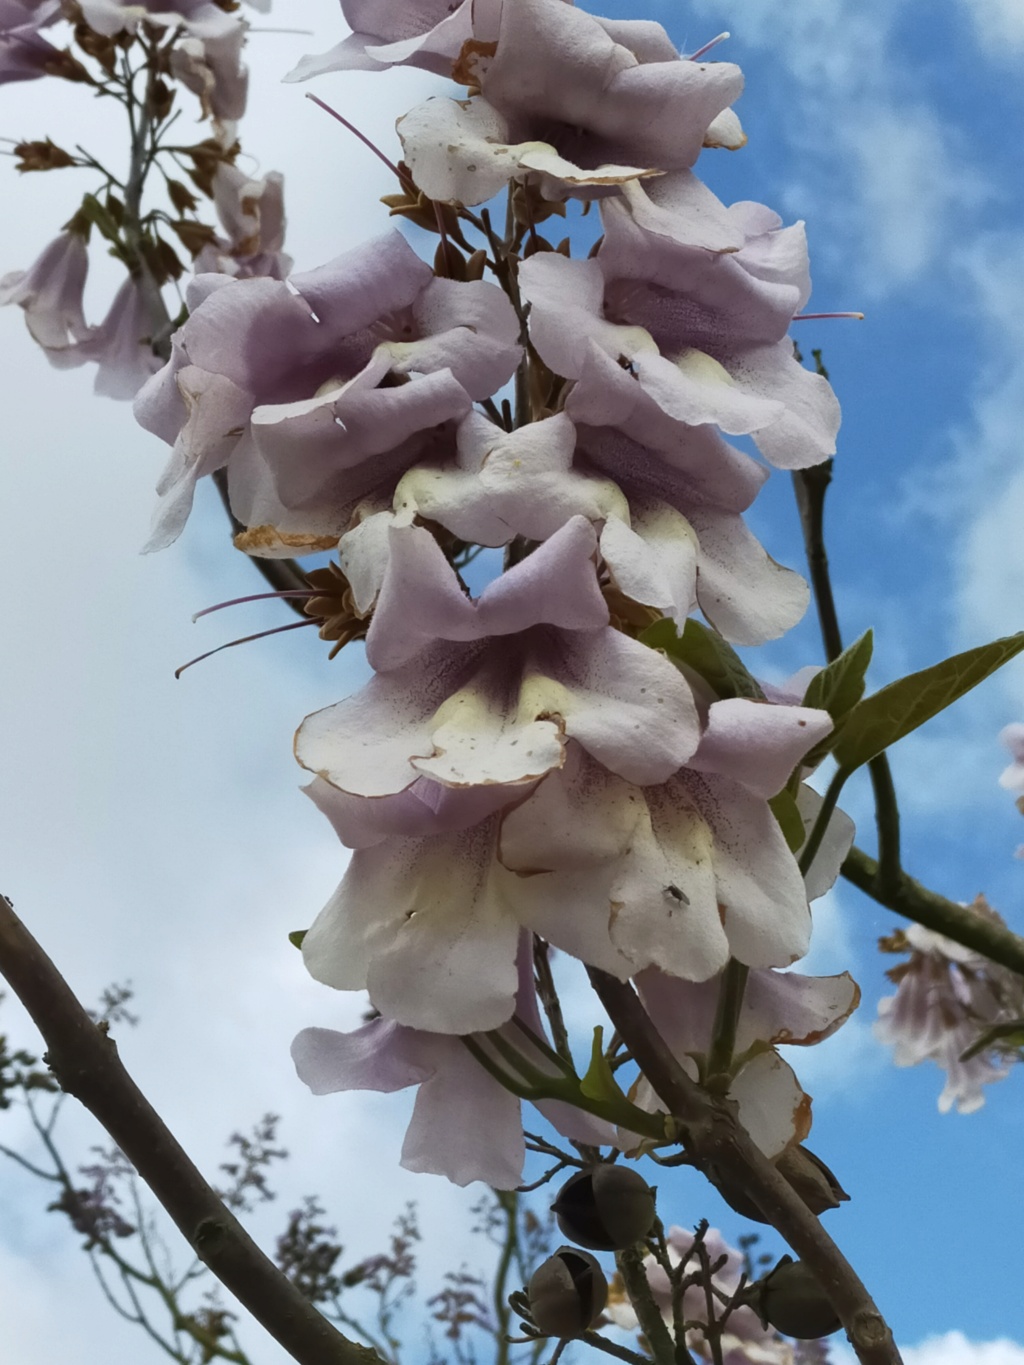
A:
(837, 689)
(785, 810)
(296, 936)
(840, 685)
(885, 717)
(707, 653)
(599, 1083)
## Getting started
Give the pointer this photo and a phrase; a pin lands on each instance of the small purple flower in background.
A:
(947, 998)
(50, 291)
(25, 54)
(744, 1341)
(251, 212)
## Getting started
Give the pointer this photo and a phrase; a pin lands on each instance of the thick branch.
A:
(958, 922)
(85, 1062)
(717, 1140)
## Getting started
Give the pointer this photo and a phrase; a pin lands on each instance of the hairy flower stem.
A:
(712, 1134)
(84, 1061)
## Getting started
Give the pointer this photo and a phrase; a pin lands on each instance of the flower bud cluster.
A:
(521, 762)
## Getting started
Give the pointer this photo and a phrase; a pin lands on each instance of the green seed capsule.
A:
(567, 1294)
(793, 1301)
(605, 1208)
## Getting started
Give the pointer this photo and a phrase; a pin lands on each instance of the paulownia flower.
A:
(24, 53)
(647, 500)
(482, 698)
(1012, 777)
(779, 1009)
(464, 1125)
(584, 103)
(211, 67)
(252, 215)
(476, 693)
(947, 996)
(318, 393)
(744, 1341)
(50, 292)
(202, 18)
(422, 33)
(702, 335)
(687, 872)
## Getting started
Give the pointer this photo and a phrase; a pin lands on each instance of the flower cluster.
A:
(522, 763)
(136, 53)
(949, 1000)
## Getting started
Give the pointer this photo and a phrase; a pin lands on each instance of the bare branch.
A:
(85, 1062)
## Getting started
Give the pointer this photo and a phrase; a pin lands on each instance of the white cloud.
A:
(953, 1348)
(999, 25)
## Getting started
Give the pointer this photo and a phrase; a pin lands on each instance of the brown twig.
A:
(712, 1133)
(84, 1060)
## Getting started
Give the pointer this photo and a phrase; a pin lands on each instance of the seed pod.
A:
(567, 1294)
(793, 1301)
(605, 1208)
(810, 1177)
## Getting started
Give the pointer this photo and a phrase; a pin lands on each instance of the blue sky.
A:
(894, 128)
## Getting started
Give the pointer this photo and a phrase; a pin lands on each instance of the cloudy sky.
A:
(153, 830)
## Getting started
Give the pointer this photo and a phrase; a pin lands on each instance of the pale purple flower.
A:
(321, 392)
(50, 292)
(779, 1009)
(947, 996)
(211, 67)
(475, 693)
(648, 493)
(423, 33)
(1012, 738)
(251, 212)
(702, 335)
(202, 18)
(744, 1342)
(584, 103)
(483, 697)
(688, 872)
(465, 1125)
(24, 53)
(120, 347)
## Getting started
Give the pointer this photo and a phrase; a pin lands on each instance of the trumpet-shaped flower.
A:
(580, 101)
(50, 292)
(477, 693)
(702, 335)
(425, 33)
(252, 215)
(947, 997)
(24, 53)
(317, 394)
(778, 1009)
(687, 872)
(465, 1125)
